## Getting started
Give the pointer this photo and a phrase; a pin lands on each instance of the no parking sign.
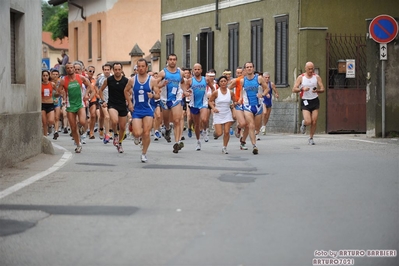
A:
(383, 29)
(350, 68)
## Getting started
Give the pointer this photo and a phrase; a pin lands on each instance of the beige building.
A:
(52, 49)
(102, 31)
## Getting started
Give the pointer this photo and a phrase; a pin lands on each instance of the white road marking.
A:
(369, 141)
(64, 159)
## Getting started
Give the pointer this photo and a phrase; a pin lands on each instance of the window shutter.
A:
(210, 62)
(281, 52)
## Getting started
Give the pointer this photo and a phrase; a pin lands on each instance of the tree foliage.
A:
(55, 20)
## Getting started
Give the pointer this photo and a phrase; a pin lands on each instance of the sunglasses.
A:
(91, 71)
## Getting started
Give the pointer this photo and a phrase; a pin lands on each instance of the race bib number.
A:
(141, 98)
(46, 92)
(174, 90)
(305, 102)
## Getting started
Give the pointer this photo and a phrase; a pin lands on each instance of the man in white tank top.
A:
(309, 85)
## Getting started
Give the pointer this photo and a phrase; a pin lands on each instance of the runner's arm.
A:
(128, 94)
(264, 87)
(320, 85)
(155, 88)
(89, 88)
(100, 91)
(211, 101)
(274, 89)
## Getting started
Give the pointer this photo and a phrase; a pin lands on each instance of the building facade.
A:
(106, 31)
(20, 81)
(280, 37)
(51, 50)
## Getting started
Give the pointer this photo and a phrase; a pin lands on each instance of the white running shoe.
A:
(202, 134)
(119, 148)
(198, 148)
(136, 141)
(243, 147)
(206, 138)
(78, 149)
(263, 130)
(143, 158)
(157, 135)
(224, 150)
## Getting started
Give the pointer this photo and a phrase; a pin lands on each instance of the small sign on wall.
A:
(383, 51)
(350, 68)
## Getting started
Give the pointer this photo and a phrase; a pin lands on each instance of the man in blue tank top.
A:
(139, 93)
(199, 101)
(267, 102)
(171, 97)
(253, 89)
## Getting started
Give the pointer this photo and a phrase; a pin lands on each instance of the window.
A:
(186, 51)
(205, 51)
(233, 46)
(257, 44)
(281, 57)
(76, 42)
(99, 39)
(170, 44)
(17, 48)
(90, 40)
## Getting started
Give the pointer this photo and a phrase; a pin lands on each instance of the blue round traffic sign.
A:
(383, 29)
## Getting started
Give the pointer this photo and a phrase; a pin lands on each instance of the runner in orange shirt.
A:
(238, 112)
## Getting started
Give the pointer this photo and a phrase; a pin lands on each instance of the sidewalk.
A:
(30, 167)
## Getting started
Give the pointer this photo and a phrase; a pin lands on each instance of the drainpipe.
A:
(383, 97)
(217, 16)
(78, 6)
(297, 114)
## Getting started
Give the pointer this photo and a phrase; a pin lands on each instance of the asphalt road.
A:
(286, 206)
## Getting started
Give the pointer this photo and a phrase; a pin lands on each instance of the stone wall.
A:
(283, 118)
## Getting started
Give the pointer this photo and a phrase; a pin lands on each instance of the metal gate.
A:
(346, 97)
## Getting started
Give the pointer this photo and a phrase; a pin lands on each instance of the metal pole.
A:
(383, 97)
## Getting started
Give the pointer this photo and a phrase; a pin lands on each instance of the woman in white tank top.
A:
(221, 103)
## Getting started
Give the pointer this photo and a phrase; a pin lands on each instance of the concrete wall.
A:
(20, 104)
(343, 16)
(374, 90)
(282, 117)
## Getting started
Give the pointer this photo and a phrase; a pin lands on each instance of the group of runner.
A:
(145, 101)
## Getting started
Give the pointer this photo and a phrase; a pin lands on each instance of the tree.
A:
(55, 20)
